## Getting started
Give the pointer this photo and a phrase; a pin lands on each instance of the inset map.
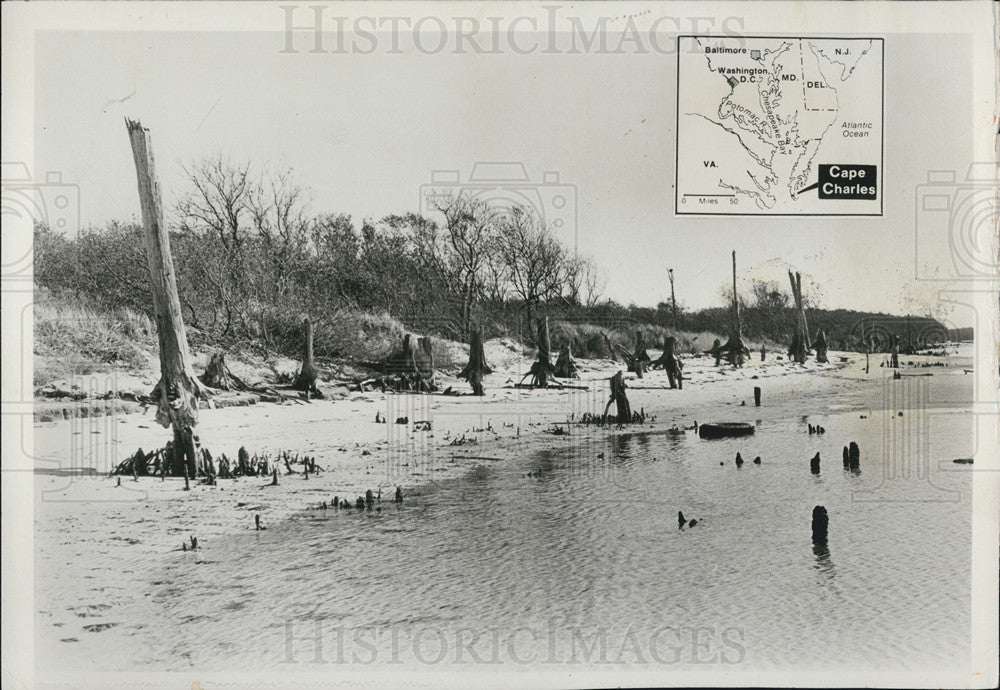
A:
(758, 116)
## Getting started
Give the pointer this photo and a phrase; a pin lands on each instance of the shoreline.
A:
(93, 539)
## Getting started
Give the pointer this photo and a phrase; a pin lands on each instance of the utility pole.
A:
(673, 299)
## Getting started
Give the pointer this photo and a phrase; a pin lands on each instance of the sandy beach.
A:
(93, 536)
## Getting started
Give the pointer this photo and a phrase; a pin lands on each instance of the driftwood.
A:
(477, 367)
(178, 390)
(671, 363)
(309, 373)
(565, 366)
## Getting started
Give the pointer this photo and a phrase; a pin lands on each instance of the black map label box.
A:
(848, 181)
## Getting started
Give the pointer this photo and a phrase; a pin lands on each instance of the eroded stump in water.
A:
(618, 397)
(820, 525)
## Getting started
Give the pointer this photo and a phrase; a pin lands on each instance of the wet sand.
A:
(94, 540)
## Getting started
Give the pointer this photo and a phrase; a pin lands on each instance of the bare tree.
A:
(470, 224)
(255, 232)
(535, 259)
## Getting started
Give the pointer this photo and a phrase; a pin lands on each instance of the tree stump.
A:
(671, 363)
(618, 397)
(821, 348)
(413, 366)
(716, 351)
(217, 374)
(565, 366)
(639, 360)
(477, 367)
(542, 368)
(820, 525)
(306, 379)
(735, 350)
(611, 348)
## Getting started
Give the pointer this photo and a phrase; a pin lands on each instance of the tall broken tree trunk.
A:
(477, 367)
(306, 380)
(735, 347)
(178, 390)
(800, 347)
(542, 368)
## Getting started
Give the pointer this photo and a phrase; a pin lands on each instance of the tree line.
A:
(252, 259)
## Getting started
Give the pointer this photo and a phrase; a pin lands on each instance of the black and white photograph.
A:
(500, 344)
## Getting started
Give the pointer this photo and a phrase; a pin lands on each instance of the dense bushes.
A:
(251, 261)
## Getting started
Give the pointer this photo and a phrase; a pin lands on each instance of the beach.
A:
(99, 545)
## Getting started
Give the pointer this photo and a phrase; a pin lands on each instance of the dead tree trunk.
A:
(611, 348)
(671, 363)
(565, 366)
(217, 374)
(477, 367)
(306, 380)
(735, 347)
(638, 361)
(799, 350)
(618, 397)
(542, 368)
(821, 348)
(178, 389)
(414, 366)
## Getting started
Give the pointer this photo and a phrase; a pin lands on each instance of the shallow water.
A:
(583, 560)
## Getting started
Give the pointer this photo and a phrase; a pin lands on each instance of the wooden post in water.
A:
(178, 389)
(820, 525)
